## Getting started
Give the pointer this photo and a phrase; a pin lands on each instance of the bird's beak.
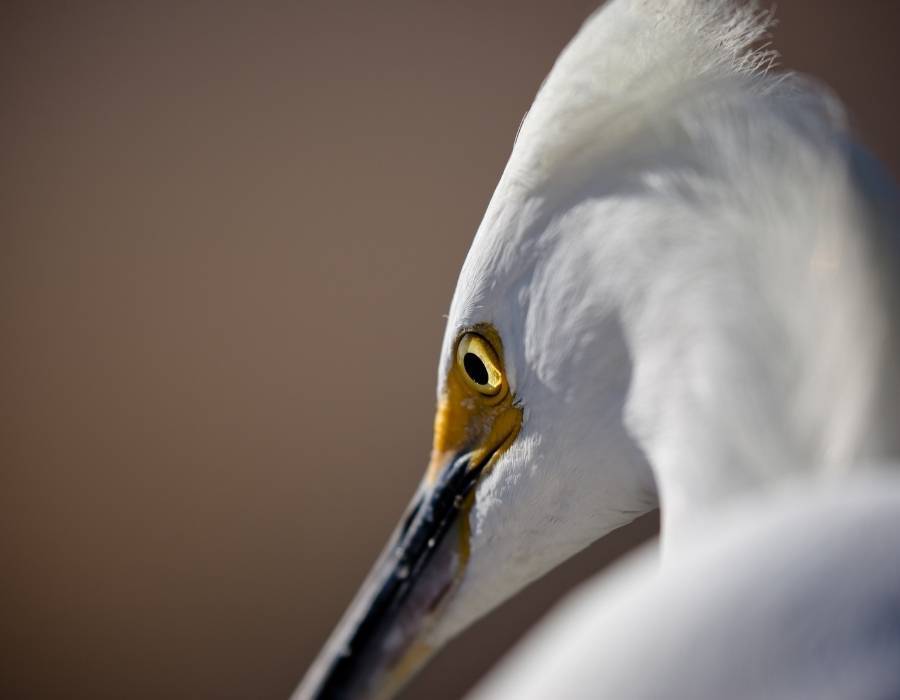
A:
(383, 638)
(378, 644)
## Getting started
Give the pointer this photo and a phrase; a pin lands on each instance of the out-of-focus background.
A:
(228, 234)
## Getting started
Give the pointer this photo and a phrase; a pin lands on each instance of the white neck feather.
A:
(758, 323)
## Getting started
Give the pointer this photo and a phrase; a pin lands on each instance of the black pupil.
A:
(475, 368)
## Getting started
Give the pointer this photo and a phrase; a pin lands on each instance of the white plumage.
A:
(692, 267)
(792, 597)
(680, 260)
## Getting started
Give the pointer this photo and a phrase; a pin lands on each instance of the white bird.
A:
(682, 294)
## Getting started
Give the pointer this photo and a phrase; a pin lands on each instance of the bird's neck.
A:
(761, 336)
(759, 325)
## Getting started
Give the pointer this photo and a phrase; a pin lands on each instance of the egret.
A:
(682, 293)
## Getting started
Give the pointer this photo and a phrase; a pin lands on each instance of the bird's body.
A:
(791, 597)
(682, 294)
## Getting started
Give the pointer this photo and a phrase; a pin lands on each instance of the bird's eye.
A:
(479, 365)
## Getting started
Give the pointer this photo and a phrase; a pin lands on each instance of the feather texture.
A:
(629, 57)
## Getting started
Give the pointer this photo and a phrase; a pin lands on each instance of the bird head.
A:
(532, 458)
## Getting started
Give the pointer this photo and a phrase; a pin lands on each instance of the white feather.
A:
(796, 596)
(682, 264)
(693, 271)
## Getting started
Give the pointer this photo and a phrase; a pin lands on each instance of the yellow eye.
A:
(478, 363)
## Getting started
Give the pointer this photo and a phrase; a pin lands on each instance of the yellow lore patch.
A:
(477, 412)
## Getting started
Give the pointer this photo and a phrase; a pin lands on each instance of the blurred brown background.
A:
(228, 236)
